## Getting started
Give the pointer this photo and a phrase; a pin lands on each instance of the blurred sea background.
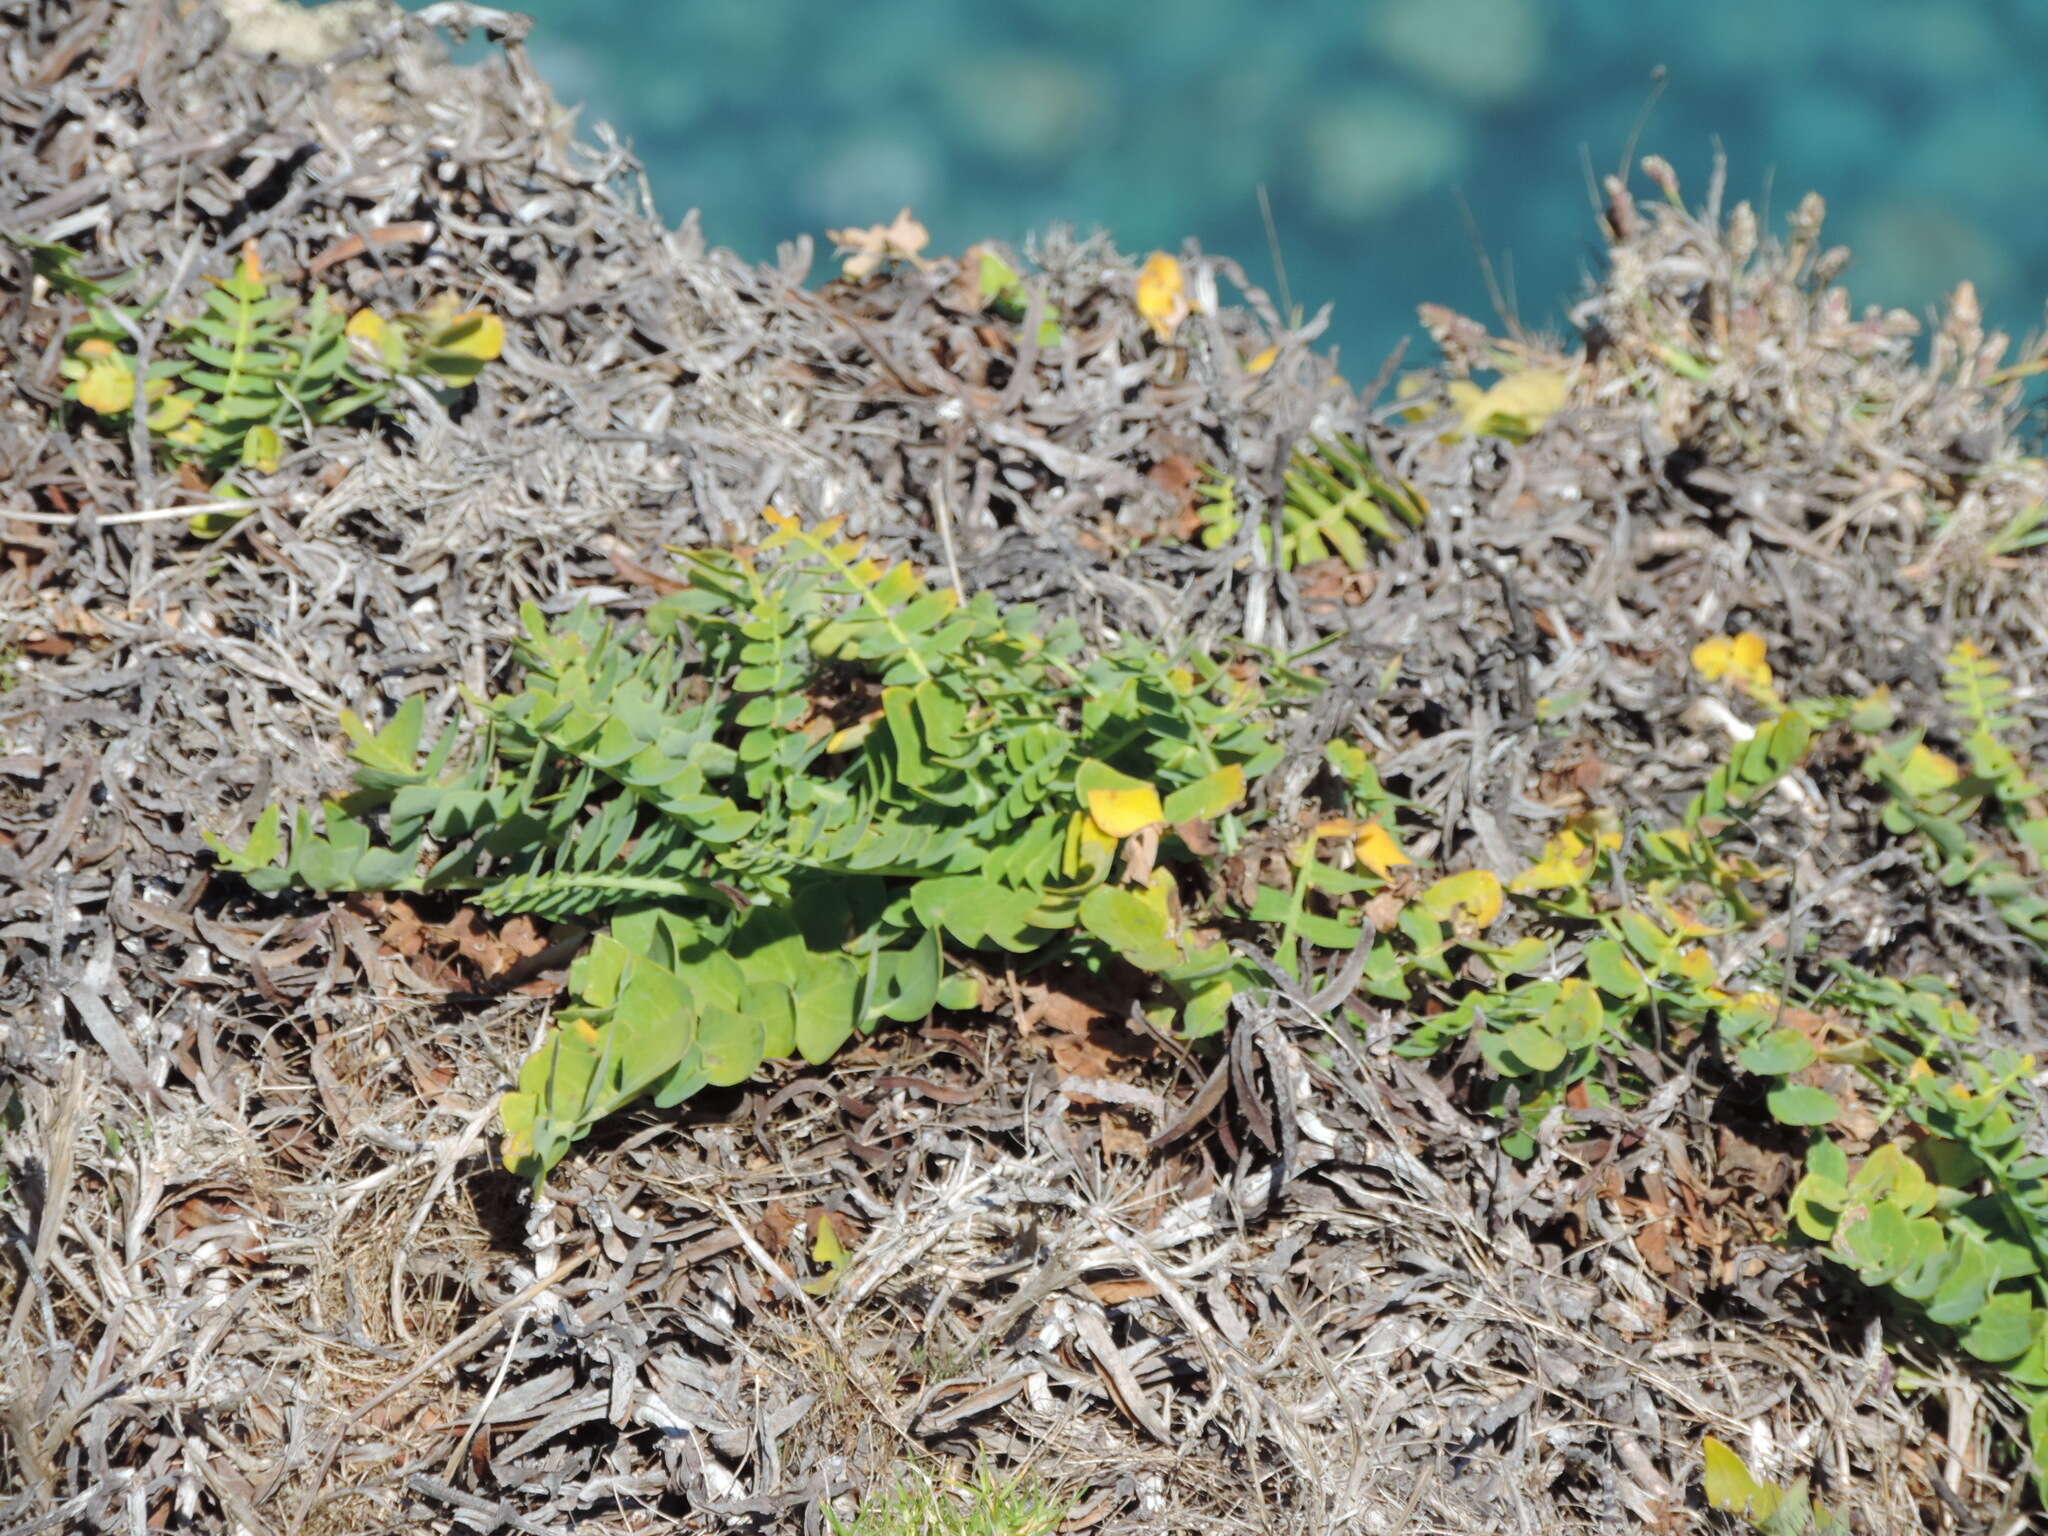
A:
(1396, 139)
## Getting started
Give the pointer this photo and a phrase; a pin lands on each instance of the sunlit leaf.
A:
(1470, 900)
(1209, 796)
(1162, 295)
(1515, 408)
(1730, 1486)
(827, 1250)
(1741, 659)
(1378, 849)
(1799, 1104)
(1117, 803)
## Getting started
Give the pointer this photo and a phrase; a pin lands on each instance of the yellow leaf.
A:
(109, 386)
(252, 262)
(1515, 408)
(1924, 765)
(1263, 361)
(1730, 1486)
(366, 326)
(1471, 899)
(516, 1149)
(172, 413)
(1116, 803)
(1378, 849)
(1162, 295)
(853, 735)
(1568, 861)
(475, 333)
(457, 346)
(1740, 659)
(827, 1250)
(1120, 812)
(1696, 965)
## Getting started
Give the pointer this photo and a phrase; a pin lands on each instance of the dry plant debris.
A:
(263, 1273)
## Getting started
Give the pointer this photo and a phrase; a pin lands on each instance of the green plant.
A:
(256, 368)
(779, 814)
(1935, 798)
(1336, 498)
(1947, 1214)
(2026, 529)
(942, 1505)
(1002, 292)
(1772, 1508)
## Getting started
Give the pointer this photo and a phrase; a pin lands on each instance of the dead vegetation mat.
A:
(263, 1272)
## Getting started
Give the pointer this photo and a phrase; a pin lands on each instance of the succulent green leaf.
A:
(2004, 1328)
(1799, 1104)
(1778, 1053)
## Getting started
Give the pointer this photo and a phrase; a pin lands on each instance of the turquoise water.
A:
(1372, 125)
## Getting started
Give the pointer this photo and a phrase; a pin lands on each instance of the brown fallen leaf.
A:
(1110, 1292)
(879, 244)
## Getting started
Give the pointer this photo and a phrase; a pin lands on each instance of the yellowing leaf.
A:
(1211, 795)
(1117, 803)
(1740, 659)
(457, 350)
(108, 386)
(1696, 965)
(475, 333)
(826, 1249)
(1378, 849)
(1162, 295)
(1514, 408)
(1471, 899)
(211, 525)
(1120, 812)
(262, 448)
(1730, 1486)
(378, 339)
(1088, 850)
(173, 412)
(1928, 771)
(1567, 863)
(1263, 361)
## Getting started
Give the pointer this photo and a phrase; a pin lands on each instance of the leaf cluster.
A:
(783, 802)
(1775, 1509)
(809, 790)
(257, 368)
(1983, 828)
(1337, 500)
